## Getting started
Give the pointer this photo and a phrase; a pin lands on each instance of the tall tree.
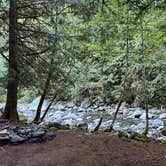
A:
(11, 102)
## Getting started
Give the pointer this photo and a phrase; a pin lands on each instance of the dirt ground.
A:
(79, 149)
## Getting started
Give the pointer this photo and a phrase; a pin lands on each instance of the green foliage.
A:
(88, 43)
(27, 95)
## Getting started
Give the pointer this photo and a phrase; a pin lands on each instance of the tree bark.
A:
(11, 102)
(46, 86)
(125, 87)
(48, 107)
(98, 125)
(145, 88)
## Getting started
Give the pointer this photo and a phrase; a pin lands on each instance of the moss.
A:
(53, 129)
(58, 126)
(106, 130)
(95, 132)
(139, 137)
(122, 134)
(45, 127)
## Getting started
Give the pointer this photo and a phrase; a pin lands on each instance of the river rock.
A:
(85, 104)
(16, 139)
(83, 126)
(21, 131)
(37, 140)
(58, 126)
(140, 127)
(163, 132)
(38, 134)
(3, 132)
(53, 129)
(162, 116)
(4, 140)
(101, 109)
(71, 104)
(143, 116)
(156, 123)
(81, 109)
(71, 116)
(59, 107)
(50, 135)
(135, 114)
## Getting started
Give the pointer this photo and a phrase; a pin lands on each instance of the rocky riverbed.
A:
(72, 114)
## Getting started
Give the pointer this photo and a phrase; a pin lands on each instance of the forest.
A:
(97, 66)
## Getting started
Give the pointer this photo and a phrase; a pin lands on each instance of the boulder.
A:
(138, 137)
(122, 134)
(163, 132)
(50, 135)
(3, 132)
(141, 125)
(136, 114)
(59, 107)
(4, 140)
(85, 104)
(16, 139)
(143, 116)
(58, 126)
(53, 129)
(83, 126)
(156, 123)
(162, 116)
(71, 104)
(102, 109)
(81, 109)
(37, 140)
(38, 134)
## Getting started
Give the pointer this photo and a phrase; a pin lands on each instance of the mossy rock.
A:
(24, 122)
(122, 134)
(53, 129)
(45, 127)
(126, 139)
(163, 142)
(106, 130)
(58, 126)
(95, 132)
(163, 132)
(139, 137)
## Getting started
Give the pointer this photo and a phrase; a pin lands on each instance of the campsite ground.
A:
(70, 148)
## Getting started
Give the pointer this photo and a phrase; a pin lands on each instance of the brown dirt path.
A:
(79, 149)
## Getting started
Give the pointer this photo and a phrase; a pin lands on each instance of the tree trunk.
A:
(38, 112)
(145, 88)
(98, 125)
(125, 87)
(116, 113)
(11, 102)
(48, 107)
